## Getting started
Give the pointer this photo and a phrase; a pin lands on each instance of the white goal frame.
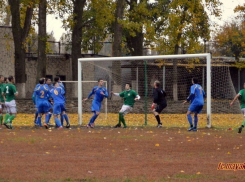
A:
(144, 58)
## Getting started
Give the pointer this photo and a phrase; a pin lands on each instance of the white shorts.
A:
(11, 107)
(126, 109)
(243, 111)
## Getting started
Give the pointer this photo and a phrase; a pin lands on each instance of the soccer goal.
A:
(173, 71)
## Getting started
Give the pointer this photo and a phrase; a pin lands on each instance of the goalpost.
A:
(146, 58)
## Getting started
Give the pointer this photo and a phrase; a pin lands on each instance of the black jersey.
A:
(159, 96)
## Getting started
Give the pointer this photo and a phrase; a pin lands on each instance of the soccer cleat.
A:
(59, 128)
(117, 126)
(88, 126)
(194, 129)
(125, 127)
(159, 125)
(68, 126)
(7, 126)
(92, 125)
(240, 129)
(190, 129)
(46, 126)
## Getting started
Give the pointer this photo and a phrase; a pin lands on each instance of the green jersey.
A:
(9, 91)
(129, 96)
(2, 85)
(242, 93)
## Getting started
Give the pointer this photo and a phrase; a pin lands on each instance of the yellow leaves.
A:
(198, 173)
(228, 153)
(47, 152)
(182, 171)
(157, 145)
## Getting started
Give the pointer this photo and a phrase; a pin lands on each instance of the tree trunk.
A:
(116, 47)
(42, 39)
(19, 35)
(77, 36)
(136, 44)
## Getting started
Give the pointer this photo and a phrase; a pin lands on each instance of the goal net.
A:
(174, 73)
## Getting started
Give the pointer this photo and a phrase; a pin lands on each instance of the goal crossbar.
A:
(145, 58)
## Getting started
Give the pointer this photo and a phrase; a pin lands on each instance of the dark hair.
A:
(10, 78)
(56, 79)
(5, 79)
(100, 79)
(1, 76)
(195, 80)
(129, 85)
(46, 79)
(41, 81)
(157, 83)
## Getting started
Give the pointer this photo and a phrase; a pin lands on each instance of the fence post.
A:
(146, 92)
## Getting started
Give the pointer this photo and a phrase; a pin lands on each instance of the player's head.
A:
(56, 84)
(100, 82)
(194, 80)
(41, 81)
(156, 84)
(128, 86)
(48, 81)
(6, 80)
(1, 78)
(11, 79)
(57, 79)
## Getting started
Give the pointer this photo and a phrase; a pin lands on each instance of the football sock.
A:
(120, 118)
(123, 121)
(36, 114)
(190, 120)
(11, 118)
(39, 122)
(6, 118)
(195, 121)
(158, 119)
(47, 119)
(61, 119)
(66, 118)
(243, 124)
(1, 119)
(57, 122)
(93, 118)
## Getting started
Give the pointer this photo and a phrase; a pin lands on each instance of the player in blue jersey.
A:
(49, 85)
(197, 101)
(57, 79)
(100, 92)
(34, 101)
(59, 105)
(42, 95)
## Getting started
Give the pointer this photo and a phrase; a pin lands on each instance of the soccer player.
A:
(10, 93)
(159, 101)
(130, 96)
(100, 92)
(59, 105)
(57, 80)
(1, 98)
(241, 97)
(197, 101)
(42, 95)
(49, 85)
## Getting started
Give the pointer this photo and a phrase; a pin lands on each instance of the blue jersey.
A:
(49, 86)
(197, 95)
(97, 92)
(57, 95)
(41, 94)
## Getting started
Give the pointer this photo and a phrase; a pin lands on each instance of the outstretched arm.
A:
(236, 97)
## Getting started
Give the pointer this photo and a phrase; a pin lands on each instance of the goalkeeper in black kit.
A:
(159, 102)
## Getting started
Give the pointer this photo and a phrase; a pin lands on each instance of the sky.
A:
(55, 25)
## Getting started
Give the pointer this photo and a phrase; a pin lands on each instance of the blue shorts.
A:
(58, 108)
(43, 107)
(96, 106)
(195, 108)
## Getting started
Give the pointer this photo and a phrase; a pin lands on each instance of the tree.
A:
(42, 40)
(187, 22)
(20, 30)
(116, 47)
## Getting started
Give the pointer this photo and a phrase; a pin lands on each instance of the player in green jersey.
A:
(1, 98)
(10, 93)
(241, 97)
(130, 96)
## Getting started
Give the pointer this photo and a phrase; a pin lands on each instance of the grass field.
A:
(138, 153)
